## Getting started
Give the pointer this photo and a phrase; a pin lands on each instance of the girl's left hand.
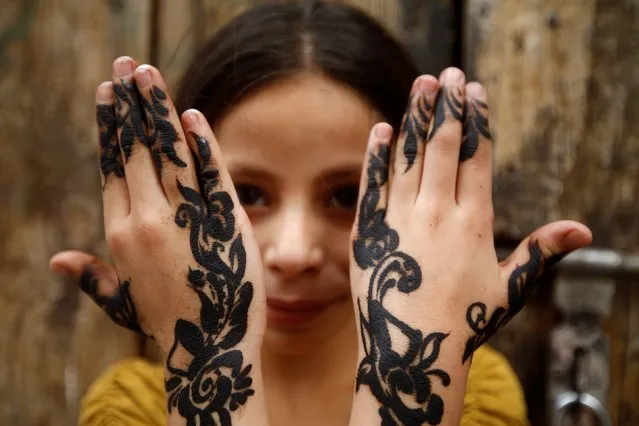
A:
(427, 286)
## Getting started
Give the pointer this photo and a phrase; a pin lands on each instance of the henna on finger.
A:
(129, 118)
(161, 134)
(449, 99)
(415, 126)
(475, 124)
(110, 154)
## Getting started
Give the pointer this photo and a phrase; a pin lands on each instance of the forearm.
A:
(408, 376)
(215, 387)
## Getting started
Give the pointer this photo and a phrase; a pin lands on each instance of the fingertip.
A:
(191, 117)
(383, 131)
(476, 90)
(578, 236)
(104, 93)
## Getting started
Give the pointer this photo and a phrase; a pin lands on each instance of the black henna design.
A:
(520, 285)
(128, 116)
(402, 381)
(448, 99)
(119, 306)
(415, 126)
(110, 154)
(214, 381)
(161, 134)
(475, 124)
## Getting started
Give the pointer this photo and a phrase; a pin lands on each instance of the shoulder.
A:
(494, 396)
(129, 393)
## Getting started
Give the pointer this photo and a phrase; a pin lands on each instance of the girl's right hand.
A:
(189, 272)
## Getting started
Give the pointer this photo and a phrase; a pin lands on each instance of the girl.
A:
(275, 295)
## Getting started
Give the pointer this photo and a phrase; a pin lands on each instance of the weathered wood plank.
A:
(564, 97)
(54, 341)
(629, 408)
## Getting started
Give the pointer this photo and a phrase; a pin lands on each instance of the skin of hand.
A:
(188, 266)
(427, 286)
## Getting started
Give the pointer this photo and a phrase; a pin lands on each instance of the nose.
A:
(294, 246)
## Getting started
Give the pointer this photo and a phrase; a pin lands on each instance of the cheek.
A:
(337, 246)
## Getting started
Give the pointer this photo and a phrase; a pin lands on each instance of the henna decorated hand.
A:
(427, 286)
(190, 273)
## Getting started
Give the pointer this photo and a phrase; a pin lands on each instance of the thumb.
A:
(538, 252)
(99, 281)
(74, 263)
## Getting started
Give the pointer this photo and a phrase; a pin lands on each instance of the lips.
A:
(294, 314)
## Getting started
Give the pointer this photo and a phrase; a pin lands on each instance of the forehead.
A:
(299, 126)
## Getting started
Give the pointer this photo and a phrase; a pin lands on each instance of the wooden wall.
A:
(564, 90)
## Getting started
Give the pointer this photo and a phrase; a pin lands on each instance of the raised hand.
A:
(427, 286)
(189, 273)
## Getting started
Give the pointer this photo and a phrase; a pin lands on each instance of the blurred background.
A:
(563, 83)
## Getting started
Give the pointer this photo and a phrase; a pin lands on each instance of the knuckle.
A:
(116, 238)
(150, 230)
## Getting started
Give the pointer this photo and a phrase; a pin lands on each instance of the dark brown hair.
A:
(272, 42)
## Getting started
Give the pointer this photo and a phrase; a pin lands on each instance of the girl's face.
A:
(295, 152)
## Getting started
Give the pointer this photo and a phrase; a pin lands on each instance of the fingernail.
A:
(143, 76)
(428, 84)
(383, 131)
(452, 76)
(476, 90)
(104, 93)
(192, 115)
(122, 67)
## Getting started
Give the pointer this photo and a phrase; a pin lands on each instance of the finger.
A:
(143, 182)
(540, 251)
(115, 193)
(164, 136)
(474, 179)
(215, 183)
(99, 281)
(409, 151)
(441, 159)
(370, 229)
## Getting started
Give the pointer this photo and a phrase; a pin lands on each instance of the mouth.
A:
(292, 315)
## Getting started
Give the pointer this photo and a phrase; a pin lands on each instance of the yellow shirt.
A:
(131, 393)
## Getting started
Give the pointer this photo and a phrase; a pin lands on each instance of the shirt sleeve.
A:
(494, 396)
(130, 393)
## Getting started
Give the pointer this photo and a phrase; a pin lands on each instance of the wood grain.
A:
(54, 341)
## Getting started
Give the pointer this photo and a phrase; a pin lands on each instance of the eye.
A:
(251, 195)
(344, 197)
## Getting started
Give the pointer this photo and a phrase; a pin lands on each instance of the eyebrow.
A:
(345, 172)
(252, 171)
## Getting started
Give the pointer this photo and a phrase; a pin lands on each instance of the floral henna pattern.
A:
(215, 381)
(403, 381)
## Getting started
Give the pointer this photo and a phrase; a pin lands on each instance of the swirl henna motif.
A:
(402, 381)
(215, 381)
